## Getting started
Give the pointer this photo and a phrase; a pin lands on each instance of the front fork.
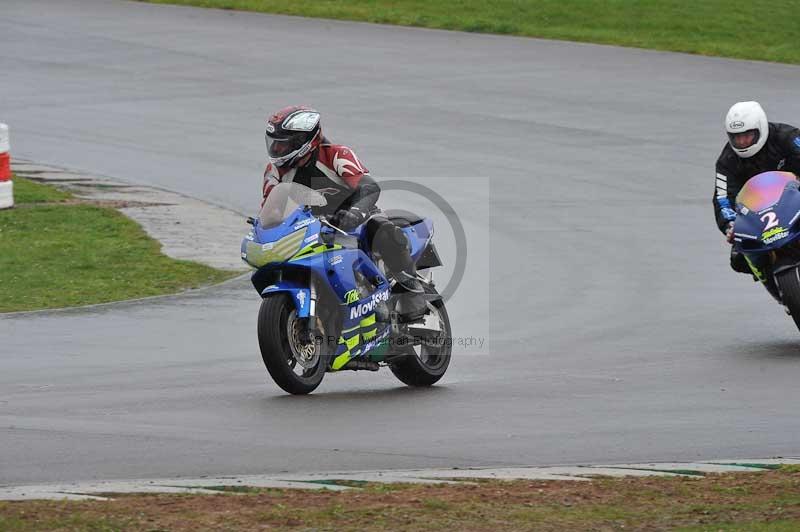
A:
(313, 330)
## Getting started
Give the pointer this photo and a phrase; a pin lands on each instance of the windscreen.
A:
(764, 190)
(283, 199)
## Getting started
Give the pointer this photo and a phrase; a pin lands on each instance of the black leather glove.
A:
(729, 233)
(349, 219)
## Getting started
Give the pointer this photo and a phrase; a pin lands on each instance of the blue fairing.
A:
(300, 295)
(302, 244)
(419, 235)
(772, 227)
(298, 220)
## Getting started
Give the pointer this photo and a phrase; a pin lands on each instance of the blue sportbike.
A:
(327, 303)
(767, 232)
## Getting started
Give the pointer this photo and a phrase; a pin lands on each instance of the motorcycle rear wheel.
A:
(425, 365)
(296, 366)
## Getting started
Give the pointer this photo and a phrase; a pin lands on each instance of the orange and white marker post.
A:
(6, 185)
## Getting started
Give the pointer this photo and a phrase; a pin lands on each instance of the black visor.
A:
(282, 146)
(744, 139)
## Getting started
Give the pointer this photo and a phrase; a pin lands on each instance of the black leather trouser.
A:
(391, 243)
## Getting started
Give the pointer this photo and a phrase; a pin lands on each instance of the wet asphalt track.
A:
(583, 175)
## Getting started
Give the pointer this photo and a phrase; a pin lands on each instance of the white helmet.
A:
(747, 127)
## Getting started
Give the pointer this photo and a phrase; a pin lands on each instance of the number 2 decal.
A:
(771, 219)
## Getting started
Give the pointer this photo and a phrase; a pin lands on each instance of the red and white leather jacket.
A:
(336, 172)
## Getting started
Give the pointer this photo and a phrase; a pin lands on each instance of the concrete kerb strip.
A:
(172, 219)
(350, 480)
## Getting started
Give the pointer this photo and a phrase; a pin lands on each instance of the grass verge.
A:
(767, 501)
(730, 28)
(58, 252)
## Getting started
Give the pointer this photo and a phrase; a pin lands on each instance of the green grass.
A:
(77, 254)
(27, 191)
(731, 28)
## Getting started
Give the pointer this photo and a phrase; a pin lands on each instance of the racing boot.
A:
(412, 305)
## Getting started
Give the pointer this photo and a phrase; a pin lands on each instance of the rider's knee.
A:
(389, 235)
(399, 237)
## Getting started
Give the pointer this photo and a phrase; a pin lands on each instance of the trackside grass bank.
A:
(729, 28)
(56, 251)
(768, 501)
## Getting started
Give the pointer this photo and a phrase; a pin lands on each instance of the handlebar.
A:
(325, 221)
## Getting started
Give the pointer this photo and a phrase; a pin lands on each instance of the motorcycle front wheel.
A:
(789, 284)
(295, 363)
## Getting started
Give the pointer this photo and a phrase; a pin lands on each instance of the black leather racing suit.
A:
(780, 152)
(335, 171)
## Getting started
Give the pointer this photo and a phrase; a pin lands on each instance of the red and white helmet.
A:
(747, 128)
(292, 133)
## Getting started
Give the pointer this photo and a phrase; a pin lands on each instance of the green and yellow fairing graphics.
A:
(351, 296)
(758, 264)
(776, 233)
(314, 249)
(258, 255)
(753, 268)
(283, 250)
(353, 339)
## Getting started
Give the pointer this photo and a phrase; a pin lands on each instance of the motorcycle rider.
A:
(754, 146)
(298, 152)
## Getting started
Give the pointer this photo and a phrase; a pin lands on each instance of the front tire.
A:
(424, 365)
(297, 367)
(789, 283)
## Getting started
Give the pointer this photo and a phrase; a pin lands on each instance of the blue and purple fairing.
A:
(767, 212)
